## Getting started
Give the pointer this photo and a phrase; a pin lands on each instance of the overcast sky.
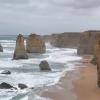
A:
(48, 16)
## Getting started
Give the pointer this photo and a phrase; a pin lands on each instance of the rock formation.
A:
(93, 61)
(66, 40)
(35, 44)
(5, 86)
(6, 72)
(97, 56)
(44, 65)
(22, 86)
(20, 52)
(1, 48)
(47, 38)
(87, 41)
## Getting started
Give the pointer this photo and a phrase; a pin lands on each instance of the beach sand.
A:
(78, 84)
(63, 89)
(86, 86)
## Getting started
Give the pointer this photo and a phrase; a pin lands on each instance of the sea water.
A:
(27, 71)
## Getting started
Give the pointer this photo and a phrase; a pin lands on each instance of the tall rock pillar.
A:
(20, 52)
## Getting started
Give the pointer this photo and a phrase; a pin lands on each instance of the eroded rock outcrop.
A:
(5, 86)
(6, 72)
(1, 48)
(20, 52)
(22, 86)
(35, 44)
(44, 65)
(87, 42)
(66, 40)
(47, 38)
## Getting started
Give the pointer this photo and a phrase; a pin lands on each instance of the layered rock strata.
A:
(87, 42)
(35, 44)
(66, 40)
(20, 52)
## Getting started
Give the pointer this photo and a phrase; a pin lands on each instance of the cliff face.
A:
(35, 44)
(20, 52)
(47, 38)
(87, 41)
(97, 56)
(67, 39)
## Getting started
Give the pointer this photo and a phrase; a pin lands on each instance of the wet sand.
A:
(86, 86)
(62, 90)
(78, 84)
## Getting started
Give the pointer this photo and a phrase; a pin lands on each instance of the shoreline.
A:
(63, 88)
(66, 87)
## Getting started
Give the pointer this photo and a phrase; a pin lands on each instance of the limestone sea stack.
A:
(20, 52)
(35, 44)
(1, 48)
(97, 55)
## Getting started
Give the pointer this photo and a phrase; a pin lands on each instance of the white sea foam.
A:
(7, 41)
(27, 71)
(9, 63)
(8, 51)
(62, 55)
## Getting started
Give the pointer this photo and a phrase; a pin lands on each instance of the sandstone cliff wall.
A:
(67, 39)
(87, 42)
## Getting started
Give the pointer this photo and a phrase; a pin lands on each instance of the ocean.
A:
(27, 71)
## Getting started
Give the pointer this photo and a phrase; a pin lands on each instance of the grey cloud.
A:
(85, 4)
(47, 5)
(14, 1)
(46, 16)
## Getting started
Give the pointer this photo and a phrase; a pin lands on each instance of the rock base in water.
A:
(44, 65)
(5, 86)
(22, 86)
(6, 72)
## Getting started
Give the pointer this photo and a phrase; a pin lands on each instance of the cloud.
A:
(47, 5)
(48, 16)
(14, 1)
(85, 4)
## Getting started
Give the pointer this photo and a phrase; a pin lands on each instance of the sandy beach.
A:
(78, 84)
(63, 89)
(86, 87)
